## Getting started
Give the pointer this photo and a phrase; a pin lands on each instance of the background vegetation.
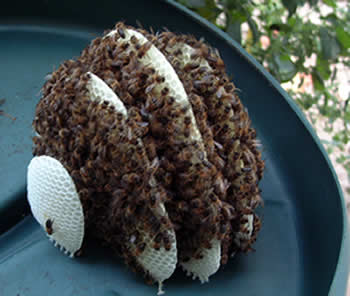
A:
(303, 44)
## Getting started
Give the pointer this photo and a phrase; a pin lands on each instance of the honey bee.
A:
(213, 229)
(167, 242)
(153, 200)
(133, 39)
(187, 121)
(140, 248)
(191, 66)
(223, 228)
(48, 226)
(156, 246)
(198, 256)
(172, 42)
(125, 45)
(137, 46)
(121, 33)
(229, 87)
(196, 203)
(163, 220)
(155, 226)
(195, 55)
(158, 238)
(213, 197)
(160, 79)
(220, 64)
(143, 50)
(149, 88)
(178, 52)
(224, 259)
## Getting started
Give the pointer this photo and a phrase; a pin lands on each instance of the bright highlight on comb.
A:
(52, 196)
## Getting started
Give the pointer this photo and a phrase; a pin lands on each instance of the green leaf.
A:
(307, 101)
(312, 2)
(291, 5)
(236, 16)
(334, 74)
(340, 159)
(330, 3)
(317, 80)
(330, 150)
(343, 37)
(329, 45)
(254, 28)
(301, 82)
(331, 17)
(284, 66)
(292, 21)
(281, 27)
(323, 68)
(342, 138)
(206, 8)
(328, 129)
(230, 4)
(347, 116)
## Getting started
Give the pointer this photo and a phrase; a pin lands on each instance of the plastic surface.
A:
(303, 248)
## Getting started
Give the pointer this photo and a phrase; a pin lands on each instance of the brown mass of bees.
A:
(207, 187)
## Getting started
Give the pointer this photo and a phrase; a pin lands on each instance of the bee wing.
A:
(207, 266)
(52, 195)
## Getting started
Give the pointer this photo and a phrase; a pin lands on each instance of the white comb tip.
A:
(99, 91)
(161, 263)
(205, 267)
(160, 288)
(204, 280)
(51, 195)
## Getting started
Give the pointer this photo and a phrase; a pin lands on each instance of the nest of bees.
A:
(143, 143)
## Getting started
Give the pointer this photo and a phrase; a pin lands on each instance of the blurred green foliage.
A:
(293, 39)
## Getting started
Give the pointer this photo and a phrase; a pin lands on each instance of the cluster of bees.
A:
(199, 158)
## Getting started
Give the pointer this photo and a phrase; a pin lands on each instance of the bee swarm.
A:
(160, 149)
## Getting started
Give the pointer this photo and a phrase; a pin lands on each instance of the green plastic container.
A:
(303, 247)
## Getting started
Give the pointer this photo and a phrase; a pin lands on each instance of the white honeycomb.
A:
(53, 195)
(100, 91)
(160, 264)
(161, 65)
(185, 58)
(210, 263)
(207, 266)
